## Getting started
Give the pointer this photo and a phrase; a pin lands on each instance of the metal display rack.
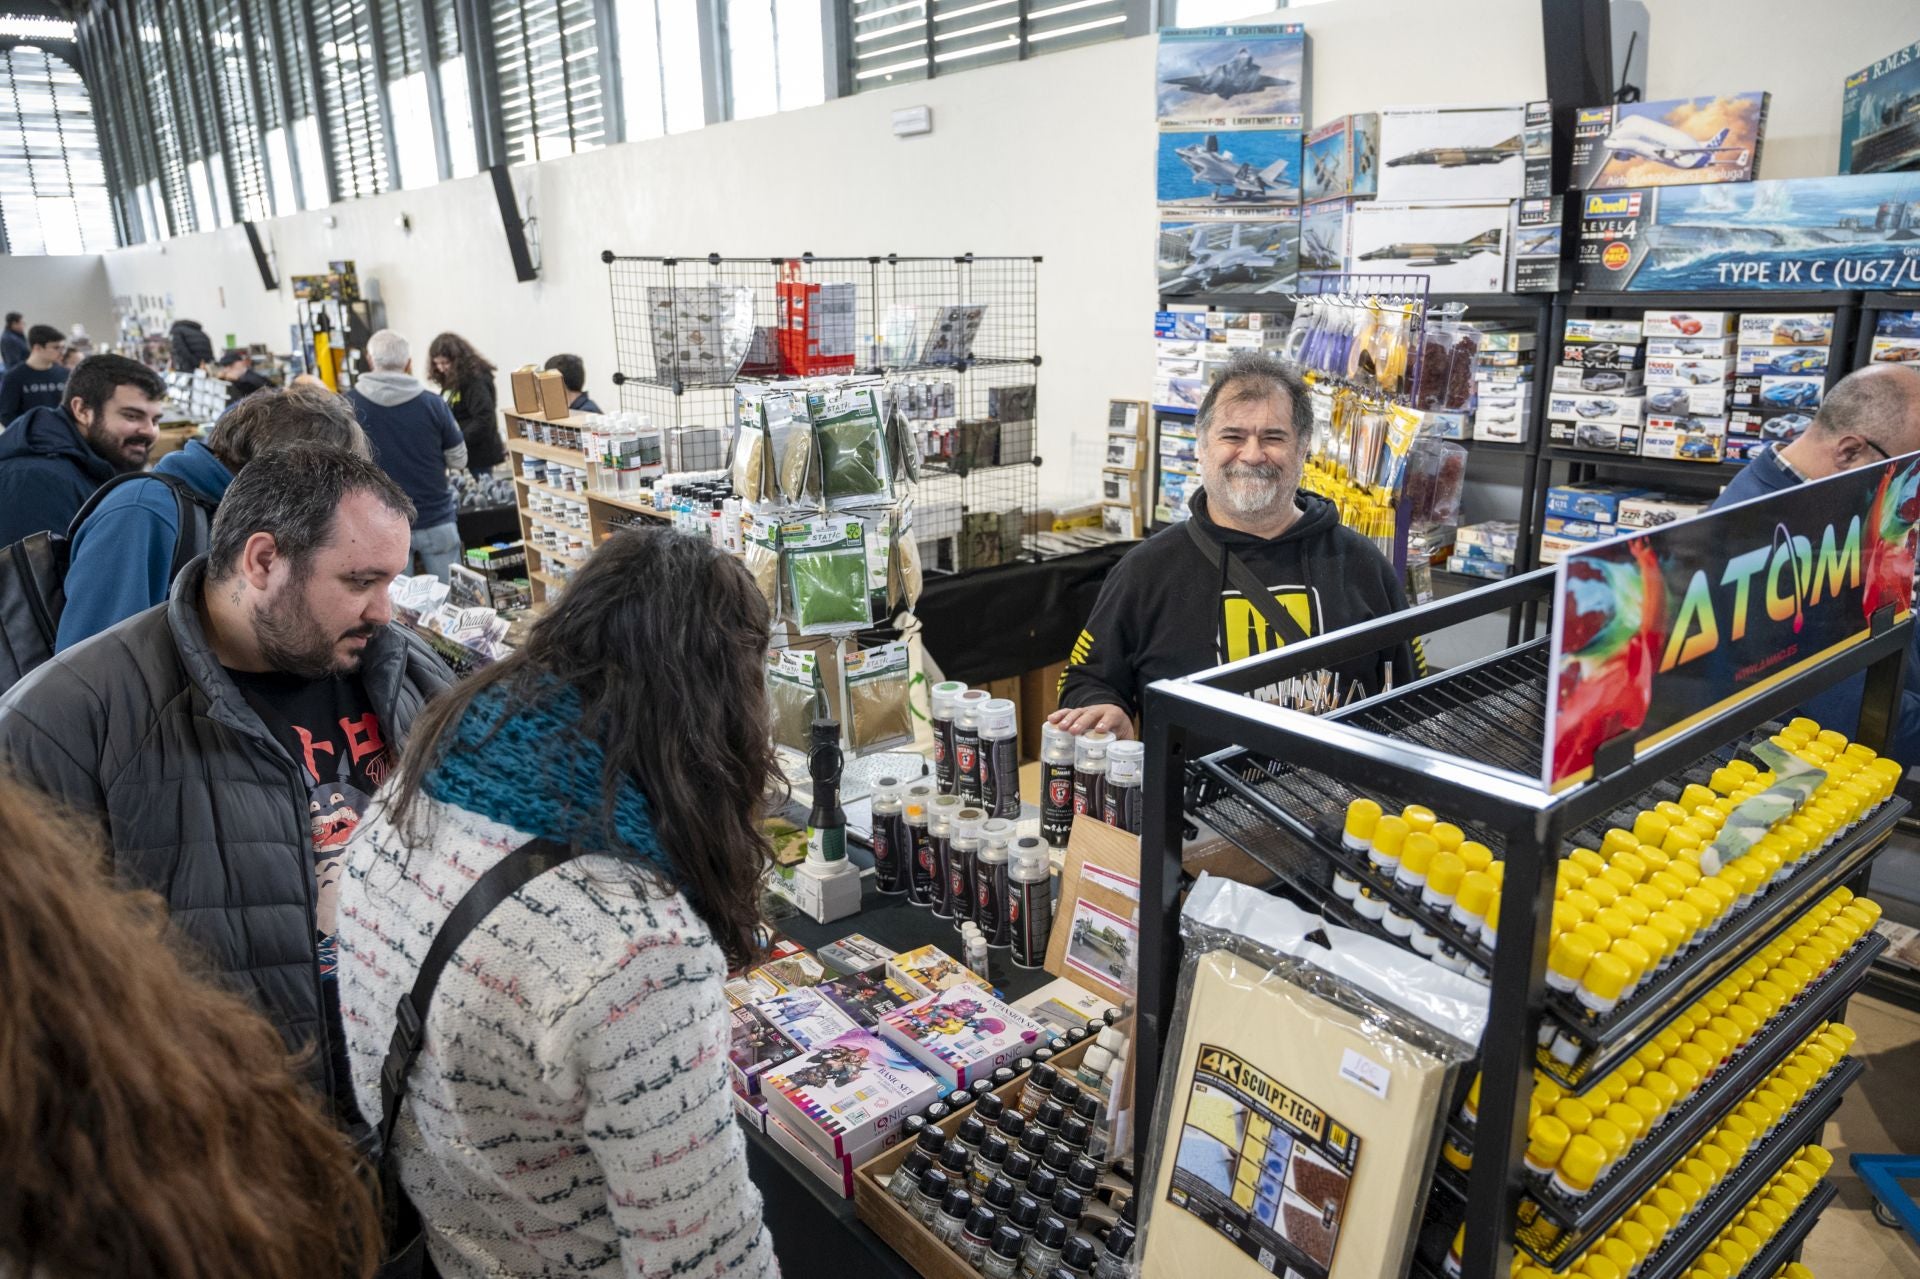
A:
(1279, 791)
(897, 306)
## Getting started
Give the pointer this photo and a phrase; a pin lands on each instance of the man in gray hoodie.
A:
(416, 441)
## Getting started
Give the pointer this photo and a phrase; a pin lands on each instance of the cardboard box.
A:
(962, 1034)
(1879, 123)
(1582, 328)
(1554, 548)
(526, 389)
(1688, 372)
(1460, 247)
(1599, 503)
(1117, 487)
(1181, 323)
(1579, 530)
(1684, 324)
(1537, 238)
(929, 970)
(1791, 394)
(1594, 437)
(1668, 143)
(1744, 391)
(1578, 378)
(1695, 348)
(834, 1171)
(553, 394)
(1783, 361)
(1500, 426)
(1603, 355)
(1503, 360)
(849, 1096)
(1505, 339)
(1325, 242)
(1473, 566)
(1449, 424)
(1342, 158)
(1750, 429)
(1652, 510)
(1241, 168)
(1896, 350)
(1710, 401)
(1685, 439)
(1625, 410)
(1229, 250)
(1492, 535)
(1786, 328)
(1453, 153)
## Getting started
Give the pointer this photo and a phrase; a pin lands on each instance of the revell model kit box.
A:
(1461, 248)
(1880, 115)
(1858, 232)
(1453, 152)
(1343, 158)
(1684, 439)
(1536, 235)
(1670, 143)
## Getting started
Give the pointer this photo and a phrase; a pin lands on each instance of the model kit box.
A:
(806, 1016)
(1584, 329)
(1787, 234)
(1447, 424)
(1598, 437)
(1710, 400)
(1218, 168)
(1253, 76)
(1579, 530)
(1783, 361)
(1791, 393)
(1461, 248)
(1579, 378)
(1626, 410)
(1230, 253)
(961, 1034)
(1795, 328)
(1490, 535)
(1536, 235)
(928, 971)
(1896, 350)
(1324, 241)
(1181, 324)
(867, 997)
(757, 1046)
(1880, 115)
(1688, 372)
(855, 953)
(1748, 429)
(1721, 348)
(1651, 510)
(849, 1095)
(1513, 340)
(1745, 390)
(1343, 158)
(1503, 360)
(834, 1171)
(1685, 324)
(1453, 153)
(1684, 439)
(1602, 355)
(1500, 426)
(1669, 143)
(1596, 502)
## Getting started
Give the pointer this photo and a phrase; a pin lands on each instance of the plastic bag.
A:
(906, 580)
(701, 333)
(827, 574)
(879, 701)
(1304, 1094)
(762, 559)
(793, 696)
(852, 443)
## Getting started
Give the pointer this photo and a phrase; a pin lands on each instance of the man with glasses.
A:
(1870, 415)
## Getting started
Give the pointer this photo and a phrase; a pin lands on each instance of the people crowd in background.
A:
(13, 340)
(466, 379)
(416, 441)
(37, 381)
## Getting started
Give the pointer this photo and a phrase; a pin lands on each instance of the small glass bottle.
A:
(1069, 1204)
(1003, 1254)
(928, 1196)
(952, 1217)
(1058, 1156)
(1112, 1261)
(1077, 1256)
(1043, 1249)
(1000, 1193)
(1084, 1174)
(907, 1175)
(989, 1160)
(1049, 1115)
(976, 1234)
(1042, 1184)
(957, 1162)
(990, 1108)
(1066, 1091)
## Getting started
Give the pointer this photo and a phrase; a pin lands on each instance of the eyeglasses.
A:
(1885, 456)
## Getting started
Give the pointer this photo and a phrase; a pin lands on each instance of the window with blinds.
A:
(547, 58)
(350, 93)
(892, 41)
(53, 185)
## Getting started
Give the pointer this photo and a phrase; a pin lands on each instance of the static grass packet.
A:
(850, 435)
(827, 574)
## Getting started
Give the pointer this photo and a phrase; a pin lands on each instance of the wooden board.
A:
(1114, 855)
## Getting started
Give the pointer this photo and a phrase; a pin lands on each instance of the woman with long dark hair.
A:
(466, 379)
(569, 1111)
(150, 1123)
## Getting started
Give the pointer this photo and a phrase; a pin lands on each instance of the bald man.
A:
(1870, 415)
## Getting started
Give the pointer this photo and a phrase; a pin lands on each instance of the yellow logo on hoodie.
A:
(1243, 632)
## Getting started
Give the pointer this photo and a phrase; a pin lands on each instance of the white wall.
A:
(61, 291)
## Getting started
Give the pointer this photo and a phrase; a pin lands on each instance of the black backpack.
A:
(33, 575)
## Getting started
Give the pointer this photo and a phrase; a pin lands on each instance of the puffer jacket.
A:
(142, 729)
(191, 345)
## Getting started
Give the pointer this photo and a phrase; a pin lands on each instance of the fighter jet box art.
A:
(1855, 232)
(1453, 153)
(1880, 115)
(1682, 142)
(1201, 256)
(1462, 248)
(1227, 169)
(1212, 76)
(1324, 244)
(1343, 158)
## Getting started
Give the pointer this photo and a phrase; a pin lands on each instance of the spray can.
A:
(940, 845)
(919, 799)
(966, 744)
(1029, 900)
(1120, 804)
(990, 882)
(892, 846)
(965, 846)
(1056, 785)
(941, 701)
(1090, 772)
(999, 758)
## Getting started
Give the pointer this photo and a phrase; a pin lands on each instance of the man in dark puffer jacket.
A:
(228, 740)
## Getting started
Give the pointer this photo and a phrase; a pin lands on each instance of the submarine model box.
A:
(1798, 234)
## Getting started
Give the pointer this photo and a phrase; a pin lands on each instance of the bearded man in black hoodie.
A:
(1176, 605)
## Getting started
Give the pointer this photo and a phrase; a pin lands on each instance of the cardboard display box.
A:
(1668, 143)
(1461, 247)
(1685, 439)
(1879, 121)
(1343, 158)
(1597, 437)
(1453, 152)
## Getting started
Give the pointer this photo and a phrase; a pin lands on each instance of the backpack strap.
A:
(505, 878)
(1244, 581)
(193, 513)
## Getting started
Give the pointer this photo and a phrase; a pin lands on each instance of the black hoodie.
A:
(1165, 612)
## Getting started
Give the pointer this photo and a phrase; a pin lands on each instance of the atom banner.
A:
(1657, 631)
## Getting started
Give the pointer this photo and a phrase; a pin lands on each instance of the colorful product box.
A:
(1577, 379)
(1603, 355)
(1537, 233)
(1667, 143)
(855, 953)
(1460, 247)
(756, 1046)
(1554, 548)
(1497, 426)
(1180, 324)
(1896, 350)
(1685, 439)
(1685, 324)
(1325, 239)
(752, 1111)
(1448, 424)
(834, 1171)
(1506, 340)
(1595, 437)
(806, 1016)
(1791, 393)
(1343, 158)
(1688, 372)
(1653, 510)
(867, 997)
(1749, 429)
(1584, 329)
(961, 1034)
(791, 972)
(1596, 502)
(1626, 410)
(1492, 535)
(929, 969)
(1473, 566)
(849, 1095)
(1453, 153)
(1580, 530)
(1783, 361)
(1720, 348)
(1880, 115)
(1786, 328)
(1710, 400)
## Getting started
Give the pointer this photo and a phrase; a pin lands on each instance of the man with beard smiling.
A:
(215, 736)
(1181, 601)
(53, 457)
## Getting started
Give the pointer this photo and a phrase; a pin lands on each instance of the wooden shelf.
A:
(551, 452)
(565, 495)
(624, 503)
(548, 580)
(559, 557)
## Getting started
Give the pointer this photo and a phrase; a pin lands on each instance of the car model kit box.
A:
(1626, 410)
(1582, 328)
(1709, 400)
(1577, 378)
(1687, 372)
(1668, 143)
(1721, 348)
(1782, 361)
(1603, 355)
(1342, 158)
(1880, 115)
(1596, 437)
(1651, 510)
(1685, 324)
(1748, 430)
(1791, 328)
(1599, 503)
(1684, 439)
(1806, 234)
(1460, 247)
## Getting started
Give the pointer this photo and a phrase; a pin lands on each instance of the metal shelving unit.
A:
(1280, 787)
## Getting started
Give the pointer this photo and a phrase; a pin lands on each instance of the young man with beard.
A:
(53, 457)
(226, 739)
(1172, 607)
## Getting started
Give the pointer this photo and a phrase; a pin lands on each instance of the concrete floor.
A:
(1881, 1115)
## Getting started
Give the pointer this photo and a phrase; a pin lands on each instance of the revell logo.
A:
(1626, 205)
(1594, 115)
(1857, 79)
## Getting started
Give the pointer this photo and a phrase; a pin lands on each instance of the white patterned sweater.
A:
(569, 1110)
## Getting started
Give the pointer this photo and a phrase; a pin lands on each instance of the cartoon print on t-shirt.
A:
(335, 808)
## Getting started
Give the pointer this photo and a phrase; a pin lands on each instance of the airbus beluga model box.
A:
(1677, 142)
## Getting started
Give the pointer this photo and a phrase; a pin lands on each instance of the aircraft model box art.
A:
(1456, 153)
(1860, 231)
(1462, 247)
(1207, 77)
(1228, 169)
(1229, 255)
(1880, 115)
(1685, 141)
(1343, 158)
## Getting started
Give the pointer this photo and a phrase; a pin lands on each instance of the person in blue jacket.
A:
(40, 380)
(415, 440)
(122, 556)
(1870, 415)
(52, 459)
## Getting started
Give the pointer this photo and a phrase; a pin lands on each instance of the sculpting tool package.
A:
(1304, 1094)
(879, 689)
(793, 696)
(827, 574)
(853, 449)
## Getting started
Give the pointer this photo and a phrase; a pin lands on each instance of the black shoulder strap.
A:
(1243, 580)
(99, 495)
(507, 876)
